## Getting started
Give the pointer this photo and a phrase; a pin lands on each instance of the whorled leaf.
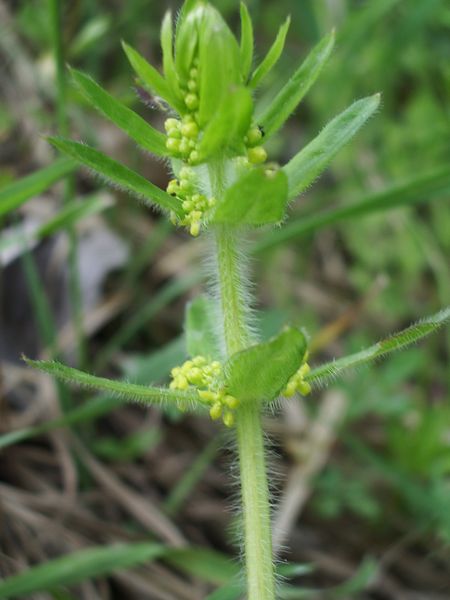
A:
(151, 79)
(127, 120)
(290, 95)
(229, 123)
(220, 67)
(397, 341)
(259, 197)
(260, 372)
(186, 38)
(271, 57)
(307, 165)
(130, 391)
(247, 42)
(116, 173)
(170, 71)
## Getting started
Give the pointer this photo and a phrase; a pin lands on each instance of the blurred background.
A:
(89, 275)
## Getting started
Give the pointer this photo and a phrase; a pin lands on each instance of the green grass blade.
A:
(17, 193)
(150, 78)
(204, 563)
(130, 391)
(79, 566)
(127, 120)
(247, 42)
(89, 411)
(307, 165)
(55, 8)
(116, 173)
(72, 212)
(397, 341)
(419, 189)
(296, 88)
(271, 57)
(194, 473)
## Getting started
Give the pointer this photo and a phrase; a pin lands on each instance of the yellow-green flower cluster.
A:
(256, 154)
(200, 373)
(182, 137)
(194, 204)
(297, 382)
(182, 134)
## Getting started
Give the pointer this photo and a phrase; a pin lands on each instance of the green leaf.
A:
(305, 167)
(397, 341)
(423, 188)
(247, 42)
(78, 566)
(229, 124)
(219, 60)
(168, 58)
(289, 97)
(17, 193)
(130, 391)
(131, 123)
(150, 78)
(200, 328)
(271, 57)
(116, 173)
(186, 39)
(259, 197)
(261, 371)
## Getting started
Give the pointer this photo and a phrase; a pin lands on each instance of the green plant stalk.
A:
(249, 434)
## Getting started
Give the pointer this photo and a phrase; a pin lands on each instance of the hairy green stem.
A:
(249, 434)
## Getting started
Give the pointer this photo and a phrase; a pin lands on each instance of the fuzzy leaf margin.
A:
(314, 158)
(291, 94)
(123, 117)
(116, 173)
(402, 339)
(131, 391)
(260, 372)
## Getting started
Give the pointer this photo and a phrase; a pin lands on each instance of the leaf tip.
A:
(126, 47)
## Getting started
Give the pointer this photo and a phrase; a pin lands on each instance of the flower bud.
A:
(257, 155)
